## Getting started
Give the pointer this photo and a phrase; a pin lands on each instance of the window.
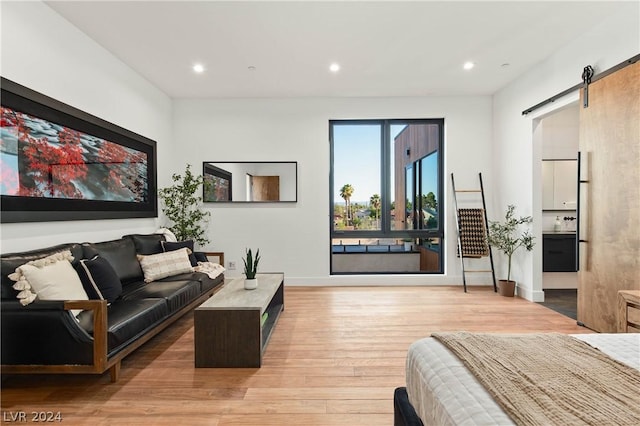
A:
(386, 183)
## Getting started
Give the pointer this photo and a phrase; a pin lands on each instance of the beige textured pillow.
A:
(50, 278)
(162, 265)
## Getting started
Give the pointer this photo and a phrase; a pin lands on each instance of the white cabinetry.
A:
(559, 184)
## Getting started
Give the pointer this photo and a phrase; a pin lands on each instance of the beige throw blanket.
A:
(209, 268)
(550, 379)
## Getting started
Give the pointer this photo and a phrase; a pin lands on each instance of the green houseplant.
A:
(183, 207)
(508, 237)
(251, 269)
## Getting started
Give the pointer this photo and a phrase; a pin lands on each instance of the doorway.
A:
(563, 301)
(264, 188)
(557, 137)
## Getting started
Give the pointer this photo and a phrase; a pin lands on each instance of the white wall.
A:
(517, 162)
(44, 52)
(561, 132)
(294, 238)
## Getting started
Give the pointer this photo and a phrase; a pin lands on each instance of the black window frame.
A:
(385, 188)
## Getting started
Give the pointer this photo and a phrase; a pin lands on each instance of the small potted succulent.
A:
(507, 237)
(251, 269)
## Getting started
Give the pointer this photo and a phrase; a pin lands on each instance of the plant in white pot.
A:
(251, 269)
(508, 236)
(183, 207)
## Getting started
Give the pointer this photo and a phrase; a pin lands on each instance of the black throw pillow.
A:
(99, 279)
(171, 246)
(200, 256)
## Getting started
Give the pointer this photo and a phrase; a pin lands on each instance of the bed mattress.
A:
(443, 392)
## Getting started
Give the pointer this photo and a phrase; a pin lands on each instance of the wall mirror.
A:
(250, 181)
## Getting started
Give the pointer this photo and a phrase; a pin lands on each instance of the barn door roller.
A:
(587, 73)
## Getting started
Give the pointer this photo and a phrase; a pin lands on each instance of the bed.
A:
(441, 390)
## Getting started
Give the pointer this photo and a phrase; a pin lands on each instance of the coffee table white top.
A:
(233, 296)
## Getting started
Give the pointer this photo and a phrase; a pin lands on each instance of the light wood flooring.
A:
(334, 359)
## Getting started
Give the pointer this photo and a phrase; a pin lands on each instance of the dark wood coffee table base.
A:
(227, 326)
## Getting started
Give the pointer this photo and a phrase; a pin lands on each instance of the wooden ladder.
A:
(461, 251)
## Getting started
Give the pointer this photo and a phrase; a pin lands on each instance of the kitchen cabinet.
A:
(559, 184)
(559, 252)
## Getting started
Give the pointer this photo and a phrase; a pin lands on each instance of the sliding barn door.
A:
(265, 188)
(610, 197)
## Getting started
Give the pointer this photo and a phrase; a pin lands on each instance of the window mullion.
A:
(385, 219)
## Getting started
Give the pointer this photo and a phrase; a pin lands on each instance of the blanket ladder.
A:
(472, 227)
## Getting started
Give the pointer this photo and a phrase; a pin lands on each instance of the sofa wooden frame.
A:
(101, 362)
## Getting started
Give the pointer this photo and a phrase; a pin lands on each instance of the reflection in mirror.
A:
(251, 181)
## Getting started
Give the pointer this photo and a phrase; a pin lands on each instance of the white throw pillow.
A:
(50, 278)
(162, 265)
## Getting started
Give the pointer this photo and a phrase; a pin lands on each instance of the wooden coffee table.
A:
(227, 327)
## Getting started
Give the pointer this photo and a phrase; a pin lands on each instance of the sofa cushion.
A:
(161, 265)
(171, 246)
(11, 261)
(99, 279)
(147, 243)
(121, 254)
(127, 320)
(50, 278)
(177, 293)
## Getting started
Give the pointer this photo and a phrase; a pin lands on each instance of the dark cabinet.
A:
(559, 252)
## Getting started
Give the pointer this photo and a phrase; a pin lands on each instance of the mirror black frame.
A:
(212, 170)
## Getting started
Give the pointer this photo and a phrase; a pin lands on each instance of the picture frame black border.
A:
(17, 209)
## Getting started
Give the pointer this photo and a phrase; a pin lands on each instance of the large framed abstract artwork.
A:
(60, 163)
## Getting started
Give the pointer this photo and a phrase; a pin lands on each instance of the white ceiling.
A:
(388, 48)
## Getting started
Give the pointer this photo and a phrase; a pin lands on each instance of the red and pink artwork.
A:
(39, 158)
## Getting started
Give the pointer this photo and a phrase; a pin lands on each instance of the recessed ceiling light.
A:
(251, 68)
(199, 68)
(468, 65)
(334, 67)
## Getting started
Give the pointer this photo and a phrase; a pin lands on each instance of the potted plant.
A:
(408, 244)
(251, 269)
(183, 207)
(507, 237)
